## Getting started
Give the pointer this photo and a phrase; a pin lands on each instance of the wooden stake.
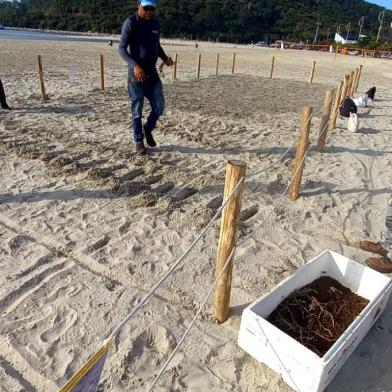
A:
(359, 77)
(352, 92)
(343, 95)
(302, 146)
(312, 71)
(41, 78)
(350, 84)
(325, 120)
(335, 110)
(336, 51)
(228, 236)
(217, 64)
(345, 88)
(233, 64)
(198, 66)
(102, 71)
(353, 81)
(272, 67)
(175, 66)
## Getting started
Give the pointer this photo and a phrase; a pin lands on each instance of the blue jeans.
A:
(151, 88)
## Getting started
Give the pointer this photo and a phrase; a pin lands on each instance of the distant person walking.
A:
(3, 101)
(384, 248)
(140, 48)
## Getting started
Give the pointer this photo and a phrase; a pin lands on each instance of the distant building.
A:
(346, 39)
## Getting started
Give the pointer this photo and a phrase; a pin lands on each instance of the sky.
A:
(382, 3)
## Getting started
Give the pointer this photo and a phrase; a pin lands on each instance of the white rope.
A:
(174, 266)
(151, 387)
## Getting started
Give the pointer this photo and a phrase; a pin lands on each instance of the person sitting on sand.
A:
(140, 33)
(3, 101)
(384, 248)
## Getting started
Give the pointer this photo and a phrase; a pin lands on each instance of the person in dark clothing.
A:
(3, 101)
(140, 48)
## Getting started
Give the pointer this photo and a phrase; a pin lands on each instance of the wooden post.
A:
(198, 66)
(312, 71)
(325, 120)
(102, 71)
(175, 66)
(233, 64)
(272, 67)
(335, 110)
(359, 77)
(343, 95)
(41, 78)
(345, 88)
(336, 51)
(350, 84)
(302, 145)
(217, 64)
(228, 236)
(353, 87)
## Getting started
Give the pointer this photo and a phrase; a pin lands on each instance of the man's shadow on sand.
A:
(123, 190)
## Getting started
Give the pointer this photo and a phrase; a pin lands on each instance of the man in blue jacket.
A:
(140, 48)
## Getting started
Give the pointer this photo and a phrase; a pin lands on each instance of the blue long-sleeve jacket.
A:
(139, 43)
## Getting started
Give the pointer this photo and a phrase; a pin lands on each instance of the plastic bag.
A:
(361, 101)
(353, 123)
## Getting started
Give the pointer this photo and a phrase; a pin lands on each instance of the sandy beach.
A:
(87, 226)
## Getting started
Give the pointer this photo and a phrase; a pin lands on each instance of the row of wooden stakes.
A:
(174, 71)
(233, 63)
(346, 88)
(236, 171)
(42, 80)
(102, 71)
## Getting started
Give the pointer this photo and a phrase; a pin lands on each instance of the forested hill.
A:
(226, 20)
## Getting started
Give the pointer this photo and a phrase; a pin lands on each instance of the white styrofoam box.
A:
(302, 369)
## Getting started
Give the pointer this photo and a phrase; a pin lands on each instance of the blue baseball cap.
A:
(148, 3)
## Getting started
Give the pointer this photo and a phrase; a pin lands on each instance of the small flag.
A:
(87, 378)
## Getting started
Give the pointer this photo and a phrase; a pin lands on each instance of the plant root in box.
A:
(318, 314)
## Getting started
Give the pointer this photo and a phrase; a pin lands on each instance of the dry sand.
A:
(86, 227)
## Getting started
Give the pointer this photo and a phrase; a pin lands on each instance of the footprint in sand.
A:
(155, 339)
(64, 320)
(249, 213)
